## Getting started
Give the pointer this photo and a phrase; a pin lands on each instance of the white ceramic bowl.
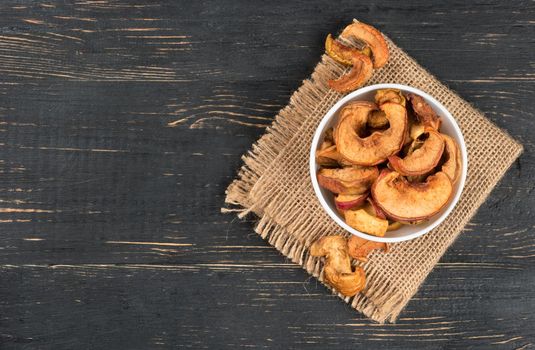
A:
(326, 198)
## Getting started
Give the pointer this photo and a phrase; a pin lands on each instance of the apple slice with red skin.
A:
(349, 201)
(423, 112)
(453, 164)
(405, 201)
(362, 65)
(377, 209)
(423, 159)
(392, 225)
(341, 53)
(359, 74)
(350, 180)
(378, 146)
(373, 39)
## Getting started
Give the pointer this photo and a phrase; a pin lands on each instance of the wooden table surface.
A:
(123, 121)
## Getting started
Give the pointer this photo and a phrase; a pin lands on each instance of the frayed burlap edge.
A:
(303, 102)
(380, 303)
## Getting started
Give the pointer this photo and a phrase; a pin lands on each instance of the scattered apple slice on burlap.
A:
(423, 159)
(359, 248)
(358, 75)
(337, 269)
(362, 65)
(372, 38)
(341, 53)
(405, 201)
(349, 180)
(375, 148)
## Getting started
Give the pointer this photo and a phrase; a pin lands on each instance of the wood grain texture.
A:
(122, 122)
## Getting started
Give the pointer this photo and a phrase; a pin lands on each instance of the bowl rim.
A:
(313, 170)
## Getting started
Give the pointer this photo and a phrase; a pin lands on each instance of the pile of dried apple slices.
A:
(372, 55)
(387, 163)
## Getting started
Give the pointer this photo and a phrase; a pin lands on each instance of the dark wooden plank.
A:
(124, 121)
(277, 306)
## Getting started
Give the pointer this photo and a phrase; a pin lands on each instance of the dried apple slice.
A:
(422, 160)
(341, 53)
(377, 120)
(324, 155)
(423, 112)
(415, 222)
(416, 130)
(362, 220)
(350, 180)
(328, 156)
(337, 270)
(405, 201)
(394, 225)
(358, 75)
(389, 95)
(328, 136)
(453, 160)
(378, 146)
(420, 178)
(349, 201)
(326, 162)
(373, 39)
(377, 209)
(353, 118)
(359, 248)
(326, 144)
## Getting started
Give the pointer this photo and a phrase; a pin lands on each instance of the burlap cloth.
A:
(274, 184)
